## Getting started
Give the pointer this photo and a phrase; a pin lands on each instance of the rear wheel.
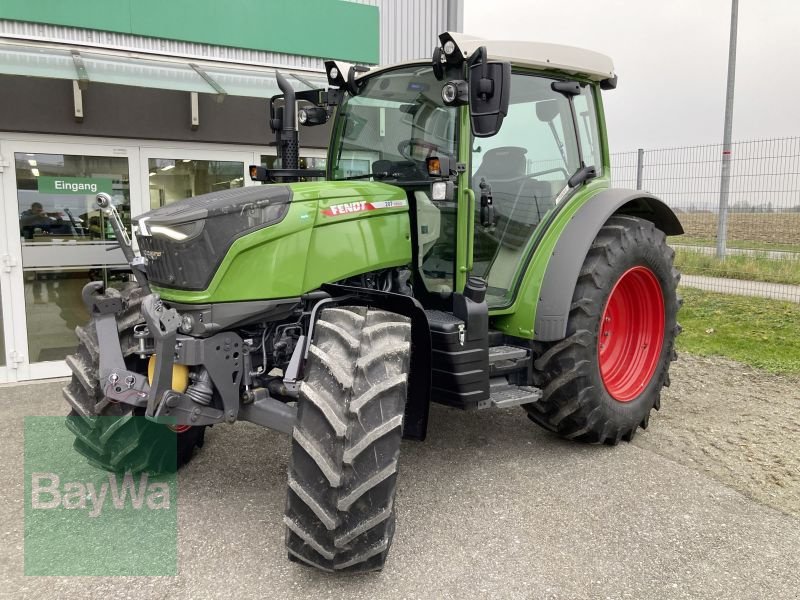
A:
(346, 441)
(114, 436)
(601, 382)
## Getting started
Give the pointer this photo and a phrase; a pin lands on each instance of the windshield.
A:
(395, 123)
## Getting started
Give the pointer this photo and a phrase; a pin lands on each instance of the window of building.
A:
(174, 179)
(66, 241)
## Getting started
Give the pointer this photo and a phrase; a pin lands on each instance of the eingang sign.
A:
(74, 185)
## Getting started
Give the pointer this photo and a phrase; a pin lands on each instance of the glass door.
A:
(6, 263)
(171, 174)
(57, 242)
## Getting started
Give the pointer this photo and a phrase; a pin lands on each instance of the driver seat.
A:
(520, 202)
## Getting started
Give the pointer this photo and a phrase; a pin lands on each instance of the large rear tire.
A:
(346, 442)
(601, 382)
(112, 435)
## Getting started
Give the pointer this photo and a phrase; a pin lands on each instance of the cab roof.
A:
(538, 55)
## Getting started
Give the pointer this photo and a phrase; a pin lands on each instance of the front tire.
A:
(111, 435)
(346, 441)
(601, 382)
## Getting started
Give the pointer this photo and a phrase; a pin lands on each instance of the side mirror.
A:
(489, 91)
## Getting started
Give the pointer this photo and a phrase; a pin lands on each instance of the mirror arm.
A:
(582, 175)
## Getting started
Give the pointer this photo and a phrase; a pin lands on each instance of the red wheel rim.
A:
(631, 334)
(179, 428)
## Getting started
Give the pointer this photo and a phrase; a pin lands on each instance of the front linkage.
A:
(217, 363)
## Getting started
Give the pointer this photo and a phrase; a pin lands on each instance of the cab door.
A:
(526, 165)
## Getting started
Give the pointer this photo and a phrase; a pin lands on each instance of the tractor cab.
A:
(487, 140)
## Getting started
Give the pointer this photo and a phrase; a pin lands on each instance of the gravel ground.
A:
(739, 425)
(492, 506)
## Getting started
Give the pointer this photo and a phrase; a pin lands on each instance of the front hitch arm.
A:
(163, 324)
(136, 263)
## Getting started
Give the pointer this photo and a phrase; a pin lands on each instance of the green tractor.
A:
(464, 246)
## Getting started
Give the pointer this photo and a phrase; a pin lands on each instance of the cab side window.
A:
(526, 165)
(586, 114)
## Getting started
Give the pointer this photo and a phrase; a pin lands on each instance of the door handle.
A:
(8, 262)
(470, 228)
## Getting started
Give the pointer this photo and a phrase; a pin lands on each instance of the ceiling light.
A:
(168, 167)
(35, 172)
(153, 173)
(31, 162)
(187, 160)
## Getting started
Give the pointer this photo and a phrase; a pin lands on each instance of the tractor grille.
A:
(163, 265)
(184, 243)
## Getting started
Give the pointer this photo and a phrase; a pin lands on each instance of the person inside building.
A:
(35, 218)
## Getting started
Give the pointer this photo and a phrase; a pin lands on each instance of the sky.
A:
(671, 57)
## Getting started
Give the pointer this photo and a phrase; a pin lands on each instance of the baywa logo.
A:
(81, 519)
(48, 493)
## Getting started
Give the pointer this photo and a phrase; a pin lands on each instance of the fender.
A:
(572, 247)
(415, 424)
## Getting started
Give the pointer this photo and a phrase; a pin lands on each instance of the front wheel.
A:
(346, 440)
(601, 382)
(111, 435)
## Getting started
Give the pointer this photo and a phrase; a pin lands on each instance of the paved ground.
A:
(761, 289)
(490, 505)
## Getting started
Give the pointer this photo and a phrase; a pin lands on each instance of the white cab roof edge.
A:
(538, 55)
(541, 55)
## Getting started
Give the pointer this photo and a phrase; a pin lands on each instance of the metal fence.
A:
(760, 253)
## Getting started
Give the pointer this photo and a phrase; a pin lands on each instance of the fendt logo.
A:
(152, 254)
(361, 206)
(47, 493)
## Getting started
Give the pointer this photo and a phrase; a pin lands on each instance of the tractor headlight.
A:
(455, 93)
(337, 73)
(442, 190)
(449, 47)
(314, 115)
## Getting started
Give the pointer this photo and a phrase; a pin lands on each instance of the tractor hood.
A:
(272, 241)
(185, 241)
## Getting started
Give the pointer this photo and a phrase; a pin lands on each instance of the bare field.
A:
(738, 424)
(760, 229)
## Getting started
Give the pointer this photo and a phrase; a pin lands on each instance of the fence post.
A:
(725, 176)
(639, 168)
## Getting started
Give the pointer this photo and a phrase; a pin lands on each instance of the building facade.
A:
(151, 102)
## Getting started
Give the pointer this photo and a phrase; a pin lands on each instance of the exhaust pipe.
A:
(288, 146)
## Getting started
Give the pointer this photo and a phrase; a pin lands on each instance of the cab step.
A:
(506, 359)
(504, 394)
